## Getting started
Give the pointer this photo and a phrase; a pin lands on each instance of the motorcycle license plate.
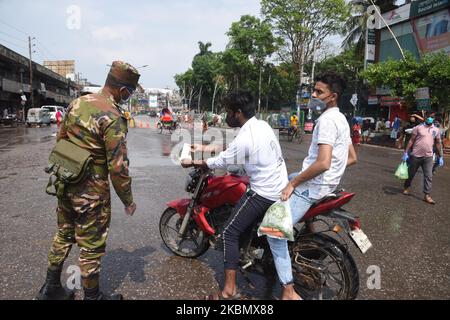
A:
(361, 240)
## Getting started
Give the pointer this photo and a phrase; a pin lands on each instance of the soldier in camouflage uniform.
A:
(96, 123)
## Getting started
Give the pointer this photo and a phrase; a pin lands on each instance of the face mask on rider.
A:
(316, 104)
(232, 121)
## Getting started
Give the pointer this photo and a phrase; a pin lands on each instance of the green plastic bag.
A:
(277, 222)
(402, 171)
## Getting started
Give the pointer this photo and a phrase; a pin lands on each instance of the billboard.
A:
(432, 32)
(420, 8)
(153, 101)
(395, 16)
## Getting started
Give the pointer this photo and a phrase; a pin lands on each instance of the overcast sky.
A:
(161, 34)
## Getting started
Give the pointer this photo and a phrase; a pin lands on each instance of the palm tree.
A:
(204, 48)
(357, 24)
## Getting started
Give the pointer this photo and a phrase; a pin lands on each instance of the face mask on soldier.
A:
(122, 100)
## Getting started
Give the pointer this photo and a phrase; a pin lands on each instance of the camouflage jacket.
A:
(95, 123)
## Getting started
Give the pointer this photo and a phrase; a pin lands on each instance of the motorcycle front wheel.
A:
(192, 245)
(323, 269)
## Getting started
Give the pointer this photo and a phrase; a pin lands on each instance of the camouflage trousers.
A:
(84, 216)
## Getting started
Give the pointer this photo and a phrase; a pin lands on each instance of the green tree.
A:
(348, 64)
(404, 77)
(204, 48)
(356, 25)
(254, 38)
(303, 25)
(185, 81)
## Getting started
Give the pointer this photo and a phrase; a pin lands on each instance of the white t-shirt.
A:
(256, 148)
(332, 129)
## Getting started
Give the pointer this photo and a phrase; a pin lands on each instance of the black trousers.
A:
(250, 209)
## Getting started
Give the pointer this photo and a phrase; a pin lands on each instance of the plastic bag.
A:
(402, 171)
(277, 222)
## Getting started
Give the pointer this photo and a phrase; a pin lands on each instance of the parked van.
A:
(52, 110)
(38, 116)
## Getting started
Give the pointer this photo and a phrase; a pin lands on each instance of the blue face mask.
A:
(429, 121)
(315, 104)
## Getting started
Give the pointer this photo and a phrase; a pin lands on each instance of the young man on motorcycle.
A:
(256, 148)
(331, 151)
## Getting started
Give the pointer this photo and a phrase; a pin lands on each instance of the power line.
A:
(44, 48)
(47, 50)
(8, 35)
(43, 56)
(13, 44)
(12, 27)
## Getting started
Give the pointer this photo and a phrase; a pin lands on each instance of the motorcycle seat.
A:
(331, 196)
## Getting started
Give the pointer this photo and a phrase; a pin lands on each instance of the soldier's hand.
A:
(129, 211)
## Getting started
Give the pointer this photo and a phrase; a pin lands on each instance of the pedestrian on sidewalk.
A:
(366, 131)
(395, 128)
(419, 153)
(387, 124)
(379, 125)
(356, 132)
(58, 117)
(442, 131)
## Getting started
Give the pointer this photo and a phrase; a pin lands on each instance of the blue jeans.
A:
(300, 204)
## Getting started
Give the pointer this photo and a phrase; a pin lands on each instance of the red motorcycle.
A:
(321, 262)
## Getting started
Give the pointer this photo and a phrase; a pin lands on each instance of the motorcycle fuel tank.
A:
(227, 189)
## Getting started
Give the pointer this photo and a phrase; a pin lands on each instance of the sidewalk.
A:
(373, 145)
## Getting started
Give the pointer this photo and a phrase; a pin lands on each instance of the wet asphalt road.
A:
(411, 240)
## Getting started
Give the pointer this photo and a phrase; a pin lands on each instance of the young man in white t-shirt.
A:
(331, 151)
(256, 147)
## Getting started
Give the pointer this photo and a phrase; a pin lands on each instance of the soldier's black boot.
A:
(96, 294)
(52, 289)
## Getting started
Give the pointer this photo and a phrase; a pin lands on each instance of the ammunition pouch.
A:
(67, 164)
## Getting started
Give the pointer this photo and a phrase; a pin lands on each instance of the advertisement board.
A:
(432, 32)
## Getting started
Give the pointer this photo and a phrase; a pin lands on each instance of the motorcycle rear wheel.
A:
(194, 243)
(323, 269)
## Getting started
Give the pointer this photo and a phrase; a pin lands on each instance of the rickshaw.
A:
(166, 122)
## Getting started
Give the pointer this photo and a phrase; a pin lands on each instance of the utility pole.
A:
(259, 89)
(313, 62)
(31, 72)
